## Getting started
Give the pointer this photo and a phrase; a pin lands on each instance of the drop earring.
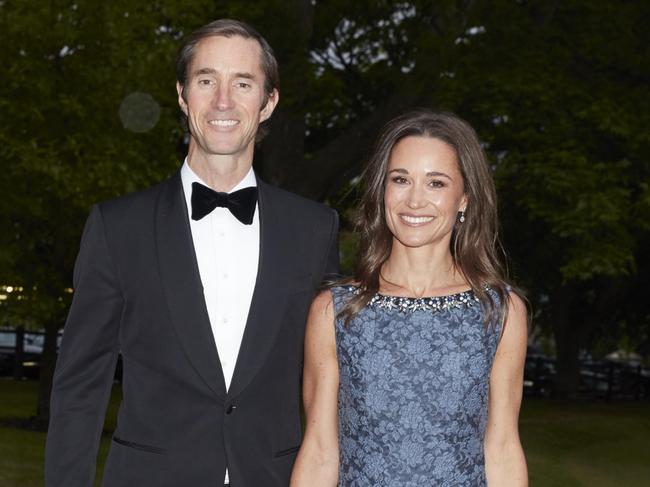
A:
(462, 216)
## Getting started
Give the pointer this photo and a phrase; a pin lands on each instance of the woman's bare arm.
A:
(505, 464)
(318, 459)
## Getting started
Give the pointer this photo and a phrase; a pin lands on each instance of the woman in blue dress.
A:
(414, 368)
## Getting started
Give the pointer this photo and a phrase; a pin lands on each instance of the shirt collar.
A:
(188, 176)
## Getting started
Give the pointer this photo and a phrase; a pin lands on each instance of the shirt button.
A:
(224, 275)
(224, 320)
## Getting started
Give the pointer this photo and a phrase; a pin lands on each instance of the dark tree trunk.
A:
(340, 160)
(48, 363)
(19, 352)
(579, 310)
(567, 331)
(568, 366)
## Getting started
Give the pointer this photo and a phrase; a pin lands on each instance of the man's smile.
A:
(223, 123)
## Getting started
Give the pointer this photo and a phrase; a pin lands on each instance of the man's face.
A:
(224, 96)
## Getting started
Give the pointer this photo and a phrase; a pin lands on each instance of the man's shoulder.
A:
(294, 203)
(140, 200)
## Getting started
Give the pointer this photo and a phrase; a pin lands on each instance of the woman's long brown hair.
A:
(474, 242)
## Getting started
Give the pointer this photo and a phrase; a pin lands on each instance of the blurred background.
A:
(559, 92)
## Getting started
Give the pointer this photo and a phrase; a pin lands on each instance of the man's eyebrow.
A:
(212, 71)
(204, 71)
(245, 75)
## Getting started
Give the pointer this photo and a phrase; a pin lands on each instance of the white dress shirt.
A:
(227, 252)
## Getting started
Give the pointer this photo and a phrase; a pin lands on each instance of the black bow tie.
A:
(240, 203)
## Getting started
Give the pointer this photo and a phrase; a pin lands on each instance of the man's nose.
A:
(223, 97)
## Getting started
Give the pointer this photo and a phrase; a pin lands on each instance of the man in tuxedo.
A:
(202, 283)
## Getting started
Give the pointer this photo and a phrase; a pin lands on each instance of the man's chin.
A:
(219, 149)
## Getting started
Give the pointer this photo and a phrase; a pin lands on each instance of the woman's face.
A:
(424, 191)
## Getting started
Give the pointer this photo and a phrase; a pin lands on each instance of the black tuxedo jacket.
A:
(138, 292)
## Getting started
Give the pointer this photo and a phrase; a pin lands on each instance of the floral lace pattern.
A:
(413, 391)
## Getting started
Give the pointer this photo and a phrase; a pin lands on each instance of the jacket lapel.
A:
(182, 286)
(269, 295)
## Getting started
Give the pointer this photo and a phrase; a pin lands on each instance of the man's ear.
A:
(181, 101)
(271, 102)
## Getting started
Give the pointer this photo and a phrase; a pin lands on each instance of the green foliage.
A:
(66, 67)
(584, 204)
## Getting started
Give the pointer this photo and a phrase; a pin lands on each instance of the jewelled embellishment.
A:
(464, 299)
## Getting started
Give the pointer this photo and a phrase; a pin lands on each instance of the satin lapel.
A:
(181, 283)
(269, 296)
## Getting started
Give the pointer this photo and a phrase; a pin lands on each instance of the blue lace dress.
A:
(413, 394)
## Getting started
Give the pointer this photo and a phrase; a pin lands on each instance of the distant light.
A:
(65, 51)
(9, 289)
(3, 297)
(472, 31)
(139, 112)
(408, 68)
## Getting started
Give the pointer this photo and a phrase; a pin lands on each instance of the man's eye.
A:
(243, 84)
(205, 82)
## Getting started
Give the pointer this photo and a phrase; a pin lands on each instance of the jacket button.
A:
(230, 409)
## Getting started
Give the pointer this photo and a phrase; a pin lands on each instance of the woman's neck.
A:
(423, 271)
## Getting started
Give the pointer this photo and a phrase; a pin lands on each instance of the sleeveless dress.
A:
(413, 390)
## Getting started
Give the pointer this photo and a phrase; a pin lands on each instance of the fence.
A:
(20, 352)
(602, 379)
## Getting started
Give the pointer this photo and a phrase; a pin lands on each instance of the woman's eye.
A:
(436, 184)
(399, 179)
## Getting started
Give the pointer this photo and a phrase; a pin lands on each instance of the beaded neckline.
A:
(463, 299)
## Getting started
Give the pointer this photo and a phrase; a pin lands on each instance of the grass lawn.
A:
(21, 450)
(566, 444)
(586, 444)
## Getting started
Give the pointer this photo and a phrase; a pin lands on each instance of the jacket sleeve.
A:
(86, 363)
(332, 262)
